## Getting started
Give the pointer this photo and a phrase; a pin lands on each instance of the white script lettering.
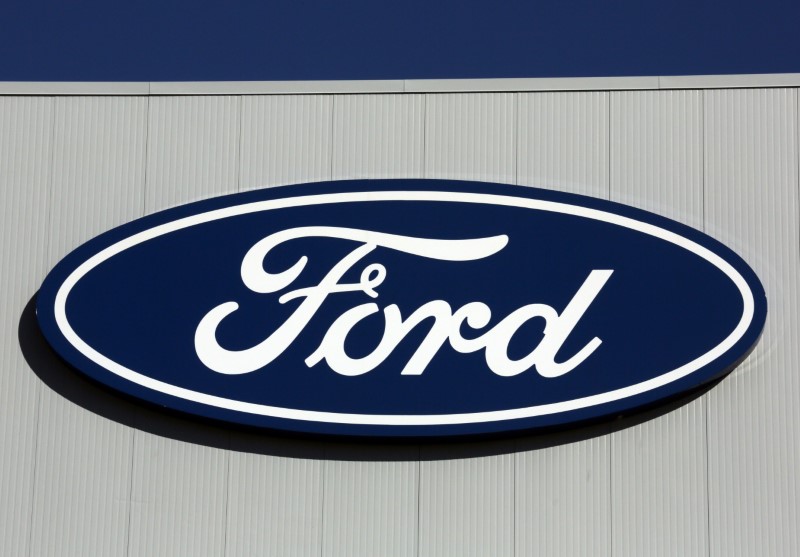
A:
(446, 327)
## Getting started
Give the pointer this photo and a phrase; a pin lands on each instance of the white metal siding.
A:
(470, 137)
(179, 490)
(274, 504)
(716, 477)
(370, 508)
(754, 415)
(658, 469)
(563, 145)
(378, 136)
(192, 149)
(26, 136)
(96, 182)
(285, 140)
(467, 505)
(563, 500)
(563, 142)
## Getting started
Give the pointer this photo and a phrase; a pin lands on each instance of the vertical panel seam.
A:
(608, 141)
(38, 405)
(424, 136)
(227, 495)
(419, 447)
(130, 488)
(610, 437)
(133, 433)
(424, 133)
(515, 152)
(419, 497)
(514, 499)
(146, 158)
(239, 145)
(703, 154)
(331, 136)
(706, 398)
(323, 469)
(516, 141)
(227, 454)
(146, 155)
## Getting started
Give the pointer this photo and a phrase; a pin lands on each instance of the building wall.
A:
(85, 472)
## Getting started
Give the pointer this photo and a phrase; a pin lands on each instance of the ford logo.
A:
(403, 308)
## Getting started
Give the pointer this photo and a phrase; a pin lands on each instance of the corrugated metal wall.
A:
(716, 477)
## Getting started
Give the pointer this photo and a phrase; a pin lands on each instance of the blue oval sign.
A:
(403, 308)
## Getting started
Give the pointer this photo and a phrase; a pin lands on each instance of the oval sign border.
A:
(717, 362)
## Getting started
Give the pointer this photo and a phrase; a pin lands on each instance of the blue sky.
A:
(176, 40)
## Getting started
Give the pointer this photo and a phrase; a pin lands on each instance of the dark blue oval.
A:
(577, 308)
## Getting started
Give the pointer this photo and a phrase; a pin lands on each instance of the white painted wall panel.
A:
(178, 498)
(378, 136)
(466, 505)
(656, 153)
(470, 137)
(562, 500)
(285, 139)
(26, 126)
(75, 483)
(563, 142)
(83, 478)
(179, 489)
(192, 149)
(563, 145)
(83, 460)
(274, 504)
(659, 487)
(98, 168)
(751, 166)
(371, 507)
